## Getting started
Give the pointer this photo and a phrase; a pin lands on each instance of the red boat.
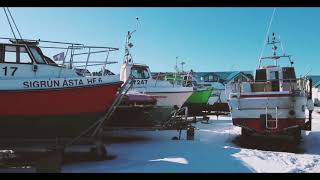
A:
(42, 98)
(137, 105)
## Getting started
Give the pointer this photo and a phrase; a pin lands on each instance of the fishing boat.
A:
(169, 97)
(198, 101)
(46, 99)
(275, 102)
(218, 101)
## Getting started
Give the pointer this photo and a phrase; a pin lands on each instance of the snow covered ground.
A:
(212, 150)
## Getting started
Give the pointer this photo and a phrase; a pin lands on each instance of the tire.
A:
(297, 135)
(99, 152)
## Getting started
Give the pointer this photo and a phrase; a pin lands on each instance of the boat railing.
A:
(73, 56)
(178, 79)
(298, 85)
(89, 51)
(159, 75)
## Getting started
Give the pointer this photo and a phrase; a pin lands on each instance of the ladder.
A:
(270, 122)
(122, 92)
(98, 124)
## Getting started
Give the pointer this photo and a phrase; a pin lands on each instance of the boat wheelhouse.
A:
(275, 102)
(167, 94)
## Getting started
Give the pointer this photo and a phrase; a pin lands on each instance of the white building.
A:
(316, 94)
(315, 89)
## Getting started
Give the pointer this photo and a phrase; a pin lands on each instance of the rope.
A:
(9, 23)
(270, 23)
(14, 23)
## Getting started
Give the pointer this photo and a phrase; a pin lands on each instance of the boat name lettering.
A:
(140, 82)
(72, 82)
(54, 83)
(32, 84)
(94, 80)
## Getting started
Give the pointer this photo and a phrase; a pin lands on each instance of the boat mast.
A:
(274, 56)
(127, 57)
(274, 49)
(176, 66)
(182, 63)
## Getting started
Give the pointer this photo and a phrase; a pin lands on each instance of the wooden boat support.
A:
(178, 121)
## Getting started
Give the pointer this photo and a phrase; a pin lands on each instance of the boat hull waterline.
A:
(49, 113)
(249, 111)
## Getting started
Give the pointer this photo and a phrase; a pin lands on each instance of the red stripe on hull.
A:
(259, 125)
(264, 95)
(69, 101)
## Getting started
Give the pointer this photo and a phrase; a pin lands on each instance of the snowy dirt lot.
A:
(216, 147)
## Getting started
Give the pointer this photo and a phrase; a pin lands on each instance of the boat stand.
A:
(177, 121)
(48, 155)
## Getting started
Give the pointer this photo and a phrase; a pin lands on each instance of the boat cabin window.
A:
(274, 75)
(10, 54)
(50, 61)
(37, 56)
(288, 74)
(24, 56)
(140, 72)
(16, 54)
(261, 75)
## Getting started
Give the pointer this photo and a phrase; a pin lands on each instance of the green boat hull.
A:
(197, 102)
(199, 97)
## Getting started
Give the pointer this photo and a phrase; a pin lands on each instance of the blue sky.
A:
(207, 39)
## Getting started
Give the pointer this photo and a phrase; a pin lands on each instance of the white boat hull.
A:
(170, 98)
(254, 107)
(283, 111)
